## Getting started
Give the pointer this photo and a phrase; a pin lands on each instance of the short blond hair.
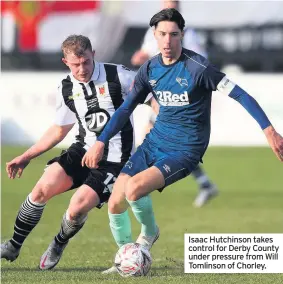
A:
(76, 44)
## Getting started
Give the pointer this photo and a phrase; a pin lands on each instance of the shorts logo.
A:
(166, 98)
(129, 165)
(182, 82)
(166, 168)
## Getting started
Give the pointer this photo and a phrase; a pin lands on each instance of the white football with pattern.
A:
(133, 259)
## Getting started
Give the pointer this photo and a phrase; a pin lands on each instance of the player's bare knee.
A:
(41, 193)
(112, 206)
(132, 190)
(76, 206)
(132, 195)
(117, 203)
(115, 206)
(76, 215)
(77, 209)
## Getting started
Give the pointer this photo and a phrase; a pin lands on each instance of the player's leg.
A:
(117, 206)
(165, 171)
(118, 214)
(54, 181)
(119, 220)
(61, 174)
(94, 192)
(138, 190)
(207, 189)
(83, 200)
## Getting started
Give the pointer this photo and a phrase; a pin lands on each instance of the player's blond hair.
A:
(76, 44)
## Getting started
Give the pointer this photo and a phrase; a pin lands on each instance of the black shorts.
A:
(101, 180)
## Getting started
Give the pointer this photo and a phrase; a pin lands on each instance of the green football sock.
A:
(120, 225)
(143, 212)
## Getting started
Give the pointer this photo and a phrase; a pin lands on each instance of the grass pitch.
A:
(250, 181)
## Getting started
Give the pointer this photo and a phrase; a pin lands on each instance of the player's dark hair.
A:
(171, 15)
(76, 44)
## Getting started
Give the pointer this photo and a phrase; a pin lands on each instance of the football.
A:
(133, 260)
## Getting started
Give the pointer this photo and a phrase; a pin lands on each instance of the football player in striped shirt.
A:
(88, 97)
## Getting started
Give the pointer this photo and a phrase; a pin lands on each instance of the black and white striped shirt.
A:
(92, 104)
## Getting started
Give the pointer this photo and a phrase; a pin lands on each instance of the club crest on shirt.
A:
(182, 82)
(102, 90)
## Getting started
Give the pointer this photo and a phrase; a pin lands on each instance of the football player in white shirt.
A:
(88, 96)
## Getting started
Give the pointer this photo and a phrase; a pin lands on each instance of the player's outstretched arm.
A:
(275, 141)
(251, 105)
(254, 109)
(50, 138)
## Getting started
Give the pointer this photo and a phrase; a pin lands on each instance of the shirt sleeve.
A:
(63, 116)
(138, 93)
(229, 88)
(211, 77)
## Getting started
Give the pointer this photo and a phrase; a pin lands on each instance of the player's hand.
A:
(275, 141)
(16, 166)
(93, 155)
